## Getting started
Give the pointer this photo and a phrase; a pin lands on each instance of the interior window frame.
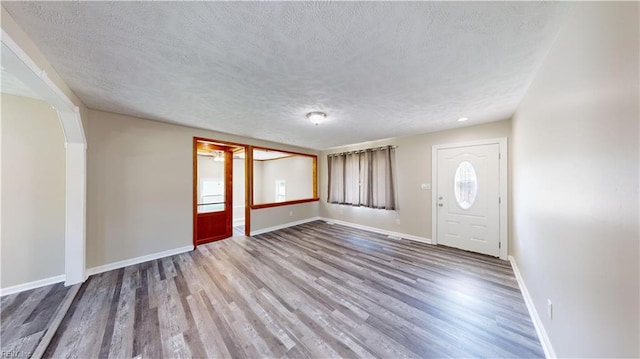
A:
(314, 177)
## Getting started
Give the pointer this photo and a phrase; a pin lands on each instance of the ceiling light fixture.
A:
(316, 117)
(462, 119)
(218, 156)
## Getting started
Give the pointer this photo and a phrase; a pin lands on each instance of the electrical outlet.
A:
(550, 309)
(290, 213)
(398, 221)
(341, 211)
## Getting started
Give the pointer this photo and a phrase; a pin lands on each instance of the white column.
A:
(75, 224)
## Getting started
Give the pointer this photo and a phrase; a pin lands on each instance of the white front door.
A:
(468, 195)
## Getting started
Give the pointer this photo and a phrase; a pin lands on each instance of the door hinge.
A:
(499, 200)
(499, 155)
(499, 245)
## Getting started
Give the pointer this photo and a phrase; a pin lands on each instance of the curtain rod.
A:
(362, 151)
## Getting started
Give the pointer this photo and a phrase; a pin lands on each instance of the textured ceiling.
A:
(378, 69)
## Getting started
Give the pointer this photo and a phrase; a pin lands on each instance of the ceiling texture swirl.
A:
(378, 69)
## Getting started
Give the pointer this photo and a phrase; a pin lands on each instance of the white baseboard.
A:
(238, 221)
(137, 260)
(31, 285)
(348, 224)
(378, 230)
(537, 322)
(286, 225)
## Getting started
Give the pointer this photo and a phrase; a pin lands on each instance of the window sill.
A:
(277, 204)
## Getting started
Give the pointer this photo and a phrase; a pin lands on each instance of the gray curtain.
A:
(336, 179)
(352, 179)
(382, 171)
(363, 178)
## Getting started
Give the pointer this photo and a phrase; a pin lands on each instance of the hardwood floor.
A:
(311, 291)
(28, 320)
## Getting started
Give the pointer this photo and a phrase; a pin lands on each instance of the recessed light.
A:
(462, 119)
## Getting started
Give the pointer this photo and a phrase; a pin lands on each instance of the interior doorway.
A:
(239, 198)
(219, 190)
(469, 196)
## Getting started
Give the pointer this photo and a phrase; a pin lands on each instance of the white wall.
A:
(575, 184)
(140, 183)
(33, 191)
(413, 160)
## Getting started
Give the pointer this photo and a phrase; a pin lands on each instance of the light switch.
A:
(425, 186)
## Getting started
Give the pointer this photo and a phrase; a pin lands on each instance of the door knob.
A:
(440, 204)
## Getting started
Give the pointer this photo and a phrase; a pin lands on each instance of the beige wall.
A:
(238, 190)
(258, 193)
(297, 171)
(139, 187)
(33, 191)
(263, 218)
(413, 159)
(576, 184)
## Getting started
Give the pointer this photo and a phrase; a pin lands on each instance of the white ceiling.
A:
(378, 69)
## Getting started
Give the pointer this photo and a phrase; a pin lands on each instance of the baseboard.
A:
(236, 220)
(31, 285)
(378, 230)
(286, 225)
(137, 260)
(537, 322)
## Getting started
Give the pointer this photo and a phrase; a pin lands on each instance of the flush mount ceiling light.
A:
(316, 117)
(462, 119)
(218, 156)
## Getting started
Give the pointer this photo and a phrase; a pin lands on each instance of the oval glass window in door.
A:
(465, 185)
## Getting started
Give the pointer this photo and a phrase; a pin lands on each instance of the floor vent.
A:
(394, 237)
(330, 223)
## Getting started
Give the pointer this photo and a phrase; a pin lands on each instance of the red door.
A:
(213, 192)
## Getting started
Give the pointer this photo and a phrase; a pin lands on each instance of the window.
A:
(363, 178)
(211, 194)
(281, 190)
(465, 185)
(282, 177)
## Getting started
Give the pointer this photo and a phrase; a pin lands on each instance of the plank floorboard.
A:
(27, 317)
(311, 291)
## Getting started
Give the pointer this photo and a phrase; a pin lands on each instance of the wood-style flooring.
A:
(28, 320)
(311, 291)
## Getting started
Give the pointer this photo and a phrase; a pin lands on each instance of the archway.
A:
(19, 64)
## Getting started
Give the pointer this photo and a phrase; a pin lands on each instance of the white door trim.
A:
(504, 189)
(18, 62)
